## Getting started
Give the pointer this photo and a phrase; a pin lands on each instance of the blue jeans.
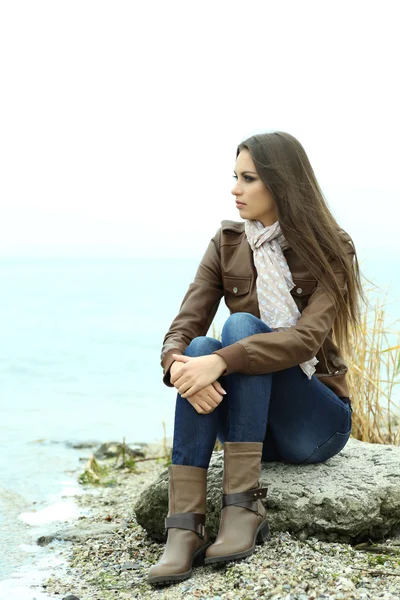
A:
(299, 420)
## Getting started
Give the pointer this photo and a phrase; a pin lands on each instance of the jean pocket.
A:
(330, 448)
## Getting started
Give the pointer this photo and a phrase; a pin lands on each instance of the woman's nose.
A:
(235, 189)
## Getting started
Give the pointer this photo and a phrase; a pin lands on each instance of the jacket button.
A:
(299, 290)
(235, 290)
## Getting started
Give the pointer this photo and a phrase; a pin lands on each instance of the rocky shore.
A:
(109, 554)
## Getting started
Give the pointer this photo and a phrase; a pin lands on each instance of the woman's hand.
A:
(196, 372)
(207, 399)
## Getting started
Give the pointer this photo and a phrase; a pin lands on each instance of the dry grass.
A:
(376, 417)
(374, 370)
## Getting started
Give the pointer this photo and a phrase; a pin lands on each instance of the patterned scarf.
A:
(274, 281)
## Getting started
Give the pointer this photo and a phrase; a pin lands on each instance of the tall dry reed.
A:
(374, 369)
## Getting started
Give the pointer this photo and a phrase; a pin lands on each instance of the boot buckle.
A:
(259, 493)
(191, 521)
(246, 499)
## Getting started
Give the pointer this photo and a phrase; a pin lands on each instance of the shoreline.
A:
(111, 554)
(25, 565)
(35, 564)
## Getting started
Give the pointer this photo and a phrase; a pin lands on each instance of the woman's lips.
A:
(240, 204)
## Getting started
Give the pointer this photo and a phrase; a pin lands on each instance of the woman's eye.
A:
(247, 177)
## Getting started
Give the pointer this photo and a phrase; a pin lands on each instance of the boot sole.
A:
(197, 561)
(262, 535)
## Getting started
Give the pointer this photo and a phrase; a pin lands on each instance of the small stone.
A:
(345, 584)
(71, 597)
(128, 566)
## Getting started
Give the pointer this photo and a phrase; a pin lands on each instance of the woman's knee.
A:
(240, 325)
(202, 345)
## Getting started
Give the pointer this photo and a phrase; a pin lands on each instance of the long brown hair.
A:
(308, 225)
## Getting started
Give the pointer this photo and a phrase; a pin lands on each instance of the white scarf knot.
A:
(277, 307)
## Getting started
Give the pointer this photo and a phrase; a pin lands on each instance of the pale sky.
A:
(119, 121)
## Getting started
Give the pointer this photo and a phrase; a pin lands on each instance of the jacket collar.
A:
(236, 226)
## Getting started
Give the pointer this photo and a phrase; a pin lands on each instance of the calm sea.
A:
(79, 360)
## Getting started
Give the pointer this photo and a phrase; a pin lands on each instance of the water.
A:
(79, 360)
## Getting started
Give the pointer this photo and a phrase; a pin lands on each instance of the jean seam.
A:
(334, 435)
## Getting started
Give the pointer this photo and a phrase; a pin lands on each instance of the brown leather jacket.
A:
(227, 269)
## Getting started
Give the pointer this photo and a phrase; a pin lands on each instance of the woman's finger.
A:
(211, 400)
(201, 407)
(191, 390)
(178, 372)
(218, 387)
(215, 395)
(185, 390)
(204, 405)
(179, 380)
(181, 358)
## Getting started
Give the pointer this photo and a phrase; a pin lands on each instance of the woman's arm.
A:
(198, 307)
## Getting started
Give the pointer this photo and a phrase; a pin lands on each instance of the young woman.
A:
(274, 388)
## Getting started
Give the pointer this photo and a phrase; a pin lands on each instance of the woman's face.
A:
(258, 202)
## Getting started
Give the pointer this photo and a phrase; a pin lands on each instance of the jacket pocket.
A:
(303, 287)
(236, 286)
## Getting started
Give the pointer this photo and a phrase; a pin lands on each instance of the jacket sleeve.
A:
(268, 352)
(198, 307)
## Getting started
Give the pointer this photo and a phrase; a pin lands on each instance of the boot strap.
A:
(245, 499)
(193, 521)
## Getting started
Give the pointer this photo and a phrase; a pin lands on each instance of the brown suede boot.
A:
(187, 538)
(243, 516)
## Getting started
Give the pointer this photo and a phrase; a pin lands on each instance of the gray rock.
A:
(71, 597)
(82, 445)
(78, 534)
(113, 449)
(352, 497)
